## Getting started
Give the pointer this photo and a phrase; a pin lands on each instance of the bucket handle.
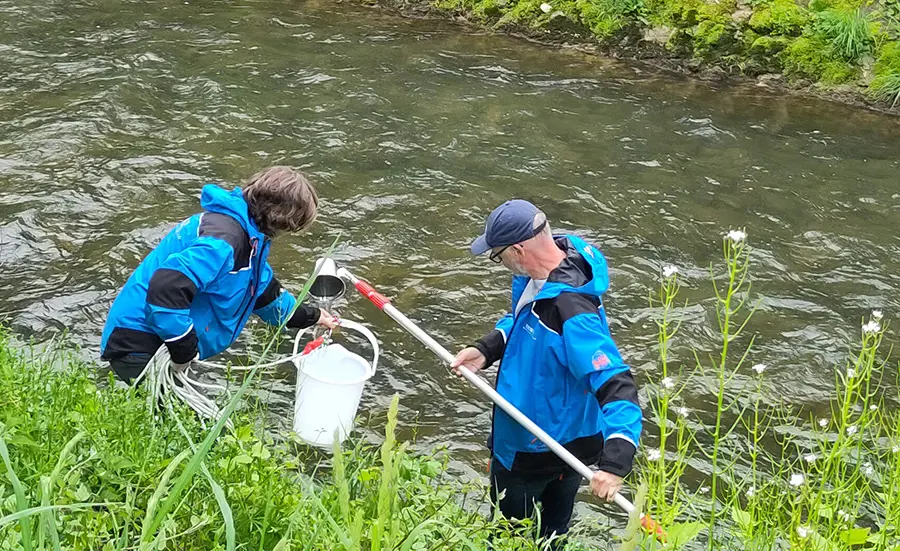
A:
(353, 326)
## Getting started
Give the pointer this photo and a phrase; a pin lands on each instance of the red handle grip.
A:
(370, 293)
(312, 345)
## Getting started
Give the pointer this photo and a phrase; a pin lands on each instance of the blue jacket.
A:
(560, 367)
(196, 290)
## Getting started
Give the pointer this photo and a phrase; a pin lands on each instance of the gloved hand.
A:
(181, 368)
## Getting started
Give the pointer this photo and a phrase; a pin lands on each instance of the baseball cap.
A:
(510, 223)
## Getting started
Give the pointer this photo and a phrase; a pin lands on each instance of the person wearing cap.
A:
(559, 366)
(196, 290)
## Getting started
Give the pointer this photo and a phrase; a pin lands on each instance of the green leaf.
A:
(855, 536)
(682, 533)
(242, 459)
(82, 493)
(742, 519)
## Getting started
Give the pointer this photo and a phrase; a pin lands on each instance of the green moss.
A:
(782, 17)
(768, 45)
(811, 57)
(888, 59)
(606, 18)
(886, 84)
(711, 39)
(521, 12)
(675, 13)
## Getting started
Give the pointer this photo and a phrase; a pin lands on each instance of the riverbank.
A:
(91, 468)
(846, 51)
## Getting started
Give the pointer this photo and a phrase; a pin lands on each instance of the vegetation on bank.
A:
(93, 468)
(827, 42)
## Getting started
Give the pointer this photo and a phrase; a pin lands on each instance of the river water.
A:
(114, 114)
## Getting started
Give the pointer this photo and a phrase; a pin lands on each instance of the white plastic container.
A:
(330, 383)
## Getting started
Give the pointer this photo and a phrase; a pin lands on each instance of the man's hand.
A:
(469, 358)
(605, 485)
(326, 319)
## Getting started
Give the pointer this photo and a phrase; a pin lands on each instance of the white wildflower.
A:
(871, 328)
(851, 430)
(895, 449)
(797, 480)
(873, 407)
(759, 368)
(682, 411)
(736, 236)
(653, 455)
(851, 373)
(751, 491)
(867, 469)
(803, 532)
(810, 458)
(704, 489)
(823, 422)
(668, 383)
(669, 271)
(877, 315)
(546, 8)
(843, 515)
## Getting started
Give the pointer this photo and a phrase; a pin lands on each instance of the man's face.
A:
(512, 258)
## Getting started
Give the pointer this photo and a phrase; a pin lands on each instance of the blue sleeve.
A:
(172, 289)
(593, 357)
(278, 307)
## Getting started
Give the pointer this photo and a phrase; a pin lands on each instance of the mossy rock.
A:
(713, 40)
(564, 23)
(810, 57)
(782, 17)
(489, 9)
(769, 45)
(682, 14)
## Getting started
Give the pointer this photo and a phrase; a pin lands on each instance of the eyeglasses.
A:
(495, 255)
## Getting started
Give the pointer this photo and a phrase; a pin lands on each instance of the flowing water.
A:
(114, 114)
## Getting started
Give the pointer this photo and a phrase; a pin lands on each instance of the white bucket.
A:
(330, 382)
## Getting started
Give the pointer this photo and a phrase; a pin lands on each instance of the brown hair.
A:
(281, 199)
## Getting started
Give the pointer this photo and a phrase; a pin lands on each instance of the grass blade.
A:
(21, 500)
(32, 511)
(158, 493)
(47, 486)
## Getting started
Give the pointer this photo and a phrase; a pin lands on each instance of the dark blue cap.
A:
(510, 223)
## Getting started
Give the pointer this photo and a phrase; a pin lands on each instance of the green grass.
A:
(89, 468)
(848, 32)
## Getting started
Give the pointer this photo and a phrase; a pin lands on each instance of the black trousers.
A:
(128, 367)
(555, 492)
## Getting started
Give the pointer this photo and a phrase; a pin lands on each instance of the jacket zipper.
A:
(499, 369)
(251, 288)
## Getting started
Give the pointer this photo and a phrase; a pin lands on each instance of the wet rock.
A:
(770, 79)
(867, 65)
(658, 35)
(742, 16)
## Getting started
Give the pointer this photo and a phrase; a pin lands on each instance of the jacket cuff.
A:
(184, 348)
(618, 457)
(491, 346)
(305, 316)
